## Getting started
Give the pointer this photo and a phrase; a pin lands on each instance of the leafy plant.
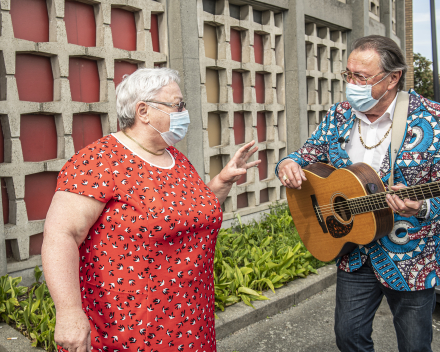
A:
(30, 310)
(259, 256)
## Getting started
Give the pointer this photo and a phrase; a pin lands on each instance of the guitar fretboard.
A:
(377, 201)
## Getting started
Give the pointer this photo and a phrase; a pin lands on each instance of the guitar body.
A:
(333, 230)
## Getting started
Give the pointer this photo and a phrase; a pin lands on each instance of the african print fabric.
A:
(146, 266)
(408, 258)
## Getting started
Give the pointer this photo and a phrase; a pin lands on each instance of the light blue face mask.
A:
(360, 97)
(179, 122)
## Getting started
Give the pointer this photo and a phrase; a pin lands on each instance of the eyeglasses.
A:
(178, 106)
(358, 78)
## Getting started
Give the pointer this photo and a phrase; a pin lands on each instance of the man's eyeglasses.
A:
(179, 106)
(357, 78)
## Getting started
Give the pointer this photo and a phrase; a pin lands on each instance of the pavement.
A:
(233, 319)
(19, 342)
(308, 327)
(239, 315)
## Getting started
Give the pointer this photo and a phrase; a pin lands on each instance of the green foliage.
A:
(30, 310)
(259, 256)
(423, 76)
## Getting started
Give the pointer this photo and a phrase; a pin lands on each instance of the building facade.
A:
(261, 70)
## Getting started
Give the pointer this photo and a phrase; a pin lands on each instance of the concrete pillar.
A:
(408, 22)
(386, 16)
(295, 71)
(361, 19)
(184, 57)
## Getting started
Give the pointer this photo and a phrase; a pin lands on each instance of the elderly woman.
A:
(143, 224)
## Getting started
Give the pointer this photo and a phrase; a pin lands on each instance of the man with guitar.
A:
(404, 265)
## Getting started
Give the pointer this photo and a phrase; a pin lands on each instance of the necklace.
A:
(380, 142)
(149, 151)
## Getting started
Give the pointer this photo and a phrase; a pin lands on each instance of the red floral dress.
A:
(146, 266)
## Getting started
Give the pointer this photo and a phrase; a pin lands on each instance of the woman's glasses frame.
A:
(179, 106)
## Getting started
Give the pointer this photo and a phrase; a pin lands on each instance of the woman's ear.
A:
(142, 111)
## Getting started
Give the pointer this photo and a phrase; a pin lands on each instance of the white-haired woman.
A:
(143, 224)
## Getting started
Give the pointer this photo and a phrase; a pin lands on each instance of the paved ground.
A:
(308, 327)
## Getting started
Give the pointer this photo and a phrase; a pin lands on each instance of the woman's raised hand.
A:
(238, 165)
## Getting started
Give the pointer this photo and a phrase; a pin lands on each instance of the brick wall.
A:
(409, 44)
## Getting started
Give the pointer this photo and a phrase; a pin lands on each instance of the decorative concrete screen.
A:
(59, 64)
(326, 56)
(375, 10)
(242, 76)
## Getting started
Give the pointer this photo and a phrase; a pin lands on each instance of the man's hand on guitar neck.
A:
(406, 207)
(290, 174)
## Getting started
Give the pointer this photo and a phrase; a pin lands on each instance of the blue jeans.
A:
(358, 296)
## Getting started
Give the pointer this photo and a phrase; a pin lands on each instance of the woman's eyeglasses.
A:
(179, 106)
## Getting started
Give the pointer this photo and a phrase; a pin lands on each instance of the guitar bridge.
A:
(318, 214)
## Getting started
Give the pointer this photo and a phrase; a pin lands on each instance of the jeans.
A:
(358, 296)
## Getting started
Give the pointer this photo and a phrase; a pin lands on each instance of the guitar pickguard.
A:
(336, 229)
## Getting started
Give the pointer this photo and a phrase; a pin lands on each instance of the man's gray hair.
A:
(143, 84)
(391, 56)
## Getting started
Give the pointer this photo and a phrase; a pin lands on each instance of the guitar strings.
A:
(357, 202)
(374, 200)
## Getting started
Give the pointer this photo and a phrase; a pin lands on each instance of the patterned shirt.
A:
(408, 258)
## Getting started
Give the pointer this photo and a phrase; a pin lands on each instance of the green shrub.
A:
(259, 256)
(29, 309)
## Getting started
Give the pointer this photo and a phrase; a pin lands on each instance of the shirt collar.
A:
(388, 113)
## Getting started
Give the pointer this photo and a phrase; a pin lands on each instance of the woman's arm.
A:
(237, 167)
(68, 221)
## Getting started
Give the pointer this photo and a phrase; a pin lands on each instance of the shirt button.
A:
(371, 126)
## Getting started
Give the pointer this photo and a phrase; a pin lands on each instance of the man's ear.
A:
(395, 78)
(142, 111)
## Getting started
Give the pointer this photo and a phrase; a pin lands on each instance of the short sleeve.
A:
(88, 173)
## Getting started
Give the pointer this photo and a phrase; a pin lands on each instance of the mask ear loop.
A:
(383, 94)
(379, 82)
(149, 124)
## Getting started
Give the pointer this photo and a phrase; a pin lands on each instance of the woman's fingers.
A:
(72, 331)
(253, 163)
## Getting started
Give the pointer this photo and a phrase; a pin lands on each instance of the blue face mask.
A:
(360, 97)
(179, 122)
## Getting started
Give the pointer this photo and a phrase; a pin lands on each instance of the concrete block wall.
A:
(305, 44)
(326, 51)
(19, 229)
(272, 145)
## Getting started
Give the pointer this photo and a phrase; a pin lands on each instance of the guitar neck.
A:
(377, 201)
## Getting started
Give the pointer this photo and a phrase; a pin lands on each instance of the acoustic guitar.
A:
(337, 209)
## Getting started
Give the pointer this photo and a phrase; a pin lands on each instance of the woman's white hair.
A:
(143, 84)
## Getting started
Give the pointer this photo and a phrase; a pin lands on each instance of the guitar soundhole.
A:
(337, 229)
(341, 209)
